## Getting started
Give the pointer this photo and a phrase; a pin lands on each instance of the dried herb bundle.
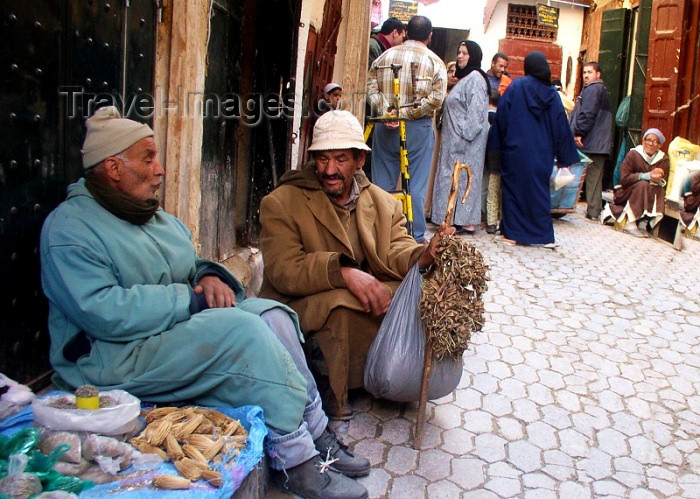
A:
(451, 304)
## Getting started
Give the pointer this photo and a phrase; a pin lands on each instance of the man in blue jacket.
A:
(591, 123)
(132, 307)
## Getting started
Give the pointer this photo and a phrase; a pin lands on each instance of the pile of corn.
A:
(193, 438)
(452, 304)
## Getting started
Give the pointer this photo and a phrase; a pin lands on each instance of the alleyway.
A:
(584, 383)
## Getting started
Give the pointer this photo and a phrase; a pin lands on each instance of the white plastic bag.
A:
(394, 366)
(14, 397)
(562, 178)
(119, 419)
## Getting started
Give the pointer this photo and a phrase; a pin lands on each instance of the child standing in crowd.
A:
(492, 173)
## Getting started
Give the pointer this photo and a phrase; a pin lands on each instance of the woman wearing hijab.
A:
(530, 130)
(640, 197)
(465, 128)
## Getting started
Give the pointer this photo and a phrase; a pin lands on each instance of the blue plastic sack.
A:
(137, 485)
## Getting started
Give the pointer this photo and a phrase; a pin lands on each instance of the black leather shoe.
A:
(491, 229)
(313, 480)
(344, 461)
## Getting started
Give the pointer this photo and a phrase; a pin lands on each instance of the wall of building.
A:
(180, 71)
(311, 15)
(568, 35)
(350, 68)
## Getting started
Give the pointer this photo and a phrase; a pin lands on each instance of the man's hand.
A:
(374, 295)
(579, 141)
(392, 125)
(217, 294)
(428, 256)
(657, 174)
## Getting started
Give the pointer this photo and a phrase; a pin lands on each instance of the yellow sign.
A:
(403, 10)
(547, 16)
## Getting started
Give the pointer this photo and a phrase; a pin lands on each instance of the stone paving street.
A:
(584, 383)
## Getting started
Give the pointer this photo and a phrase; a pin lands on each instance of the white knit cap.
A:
(330, 87)
(109, 134)
(338, 130)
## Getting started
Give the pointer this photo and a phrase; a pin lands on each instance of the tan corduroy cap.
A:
(109, 134)
(338, 130)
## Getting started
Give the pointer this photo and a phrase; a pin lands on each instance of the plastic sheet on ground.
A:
(137, 484)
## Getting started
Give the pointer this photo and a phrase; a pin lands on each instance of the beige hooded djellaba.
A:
(306, 238)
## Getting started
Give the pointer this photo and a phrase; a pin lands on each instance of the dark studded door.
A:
(59, 60)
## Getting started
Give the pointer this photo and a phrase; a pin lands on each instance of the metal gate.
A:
(60, 60)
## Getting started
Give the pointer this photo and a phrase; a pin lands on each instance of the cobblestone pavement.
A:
(584, 383)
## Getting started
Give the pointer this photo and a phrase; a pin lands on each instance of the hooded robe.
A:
(119, 316)
(530, 130)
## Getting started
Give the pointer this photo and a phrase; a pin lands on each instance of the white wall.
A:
(454, 14)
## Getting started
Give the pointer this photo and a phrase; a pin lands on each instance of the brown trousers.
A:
(344, 341)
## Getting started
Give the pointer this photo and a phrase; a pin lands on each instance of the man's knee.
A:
(249, 329)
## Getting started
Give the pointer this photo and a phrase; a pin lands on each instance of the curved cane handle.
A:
(452, 198)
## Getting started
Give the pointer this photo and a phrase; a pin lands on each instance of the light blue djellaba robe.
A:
(127, 287)
(465, 129)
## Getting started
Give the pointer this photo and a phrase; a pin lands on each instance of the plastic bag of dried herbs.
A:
(394, 366)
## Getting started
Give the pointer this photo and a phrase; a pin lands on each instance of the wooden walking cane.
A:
(428, 360)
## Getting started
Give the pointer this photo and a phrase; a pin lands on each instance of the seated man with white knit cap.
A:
(638, 202)
(336, 248)
(133, 307)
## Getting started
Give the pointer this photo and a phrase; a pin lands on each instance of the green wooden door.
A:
(639, 73)
(612, 54)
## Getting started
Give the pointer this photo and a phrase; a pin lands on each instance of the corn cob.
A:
(173, 448)
(171, 482)
(157, 431)
(187, 468)
(193, 453)
(213, 449)
(147, 448)
(213, 477)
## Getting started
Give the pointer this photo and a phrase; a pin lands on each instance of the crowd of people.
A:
(132, 305)
(510, 161)
(510, 132)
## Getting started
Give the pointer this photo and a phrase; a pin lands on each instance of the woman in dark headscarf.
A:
(530, 130)
(465, 130)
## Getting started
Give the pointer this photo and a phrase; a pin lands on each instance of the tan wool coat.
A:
(304, 242)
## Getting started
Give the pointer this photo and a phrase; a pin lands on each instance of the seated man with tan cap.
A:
(335, 249)
(133, 307)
